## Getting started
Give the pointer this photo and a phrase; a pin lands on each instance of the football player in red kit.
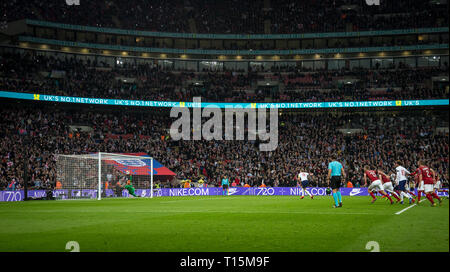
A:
(419, 185)
(375, 184)
(428, 176)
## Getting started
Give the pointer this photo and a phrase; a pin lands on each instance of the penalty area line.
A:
(405, 209)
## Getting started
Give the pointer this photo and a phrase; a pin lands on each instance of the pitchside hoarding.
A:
(165, 192)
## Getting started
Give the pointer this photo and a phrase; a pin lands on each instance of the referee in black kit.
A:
(335, 170)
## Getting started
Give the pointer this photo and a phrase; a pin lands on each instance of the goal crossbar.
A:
(105, 156)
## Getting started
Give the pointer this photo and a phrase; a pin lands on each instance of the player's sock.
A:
(412, 194)
(372, 195)
(404, 194)
(396, 196)
(390, 199)
(436, 196)
(307, 192)
(400, 194)
(430, 198)
(335, 199)
(339, 196)
(419, 194)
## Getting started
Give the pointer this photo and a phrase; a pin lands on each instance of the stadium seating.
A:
(74, 77)
(306, 141)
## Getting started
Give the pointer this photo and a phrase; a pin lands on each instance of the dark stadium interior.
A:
(234, 16)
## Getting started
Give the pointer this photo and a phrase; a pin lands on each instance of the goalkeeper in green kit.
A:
(130, 187)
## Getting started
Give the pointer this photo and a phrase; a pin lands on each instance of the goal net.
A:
(103, 175)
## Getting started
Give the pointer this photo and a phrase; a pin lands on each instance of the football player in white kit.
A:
(303, 177)
(401, 180)
(438, 185)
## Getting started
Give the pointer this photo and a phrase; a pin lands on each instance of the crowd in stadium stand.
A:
(73, 77)
(306, 141)
(333, 16)
(233, 16)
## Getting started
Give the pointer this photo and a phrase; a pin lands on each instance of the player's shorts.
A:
(388, 187)
(420, 187)
(335, 182)
(225, 186)
(376, 186)
(402, 185)
(437, 185)
(429, 188)
(305, 183)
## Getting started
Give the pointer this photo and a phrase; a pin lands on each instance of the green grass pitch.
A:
(229, 224)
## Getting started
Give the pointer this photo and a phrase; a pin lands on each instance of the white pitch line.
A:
(408, 207)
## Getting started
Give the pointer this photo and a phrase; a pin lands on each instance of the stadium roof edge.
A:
(232, 52)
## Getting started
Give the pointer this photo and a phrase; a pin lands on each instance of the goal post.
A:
(102, 175)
